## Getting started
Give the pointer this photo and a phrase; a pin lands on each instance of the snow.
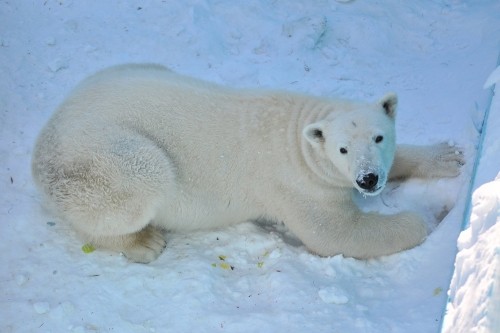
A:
(436, 54)
(493, 79)
(475, 287)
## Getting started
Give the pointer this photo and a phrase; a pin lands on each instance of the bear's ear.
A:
(314, 133)
(389, 103)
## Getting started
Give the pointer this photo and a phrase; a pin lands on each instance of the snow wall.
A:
(474, 294)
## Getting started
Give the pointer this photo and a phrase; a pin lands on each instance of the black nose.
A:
(368, 181)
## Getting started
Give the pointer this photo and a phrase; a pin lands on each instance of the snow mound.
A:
(475, 288)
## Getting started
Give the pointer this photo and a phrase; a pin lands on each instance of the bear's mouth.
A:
(371, 192)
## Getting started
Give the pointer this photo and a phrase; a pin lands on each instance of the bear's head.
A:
(359, 141)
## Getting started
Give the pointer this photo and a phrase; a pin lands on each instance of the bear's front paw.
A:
(446, 161)
(147, 246)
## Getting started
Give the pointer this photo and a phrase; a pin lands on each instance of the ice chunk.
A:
(21, 279)
(333, 295)
(41, 307)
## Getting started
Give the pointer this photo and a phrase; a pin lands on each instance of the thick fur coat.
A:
(137, 149)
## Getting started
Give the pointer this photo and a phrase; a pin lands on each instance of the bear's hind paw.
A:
(147, 246)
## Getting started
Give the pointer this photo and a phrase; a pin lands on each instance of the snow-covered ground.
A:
(436, 54)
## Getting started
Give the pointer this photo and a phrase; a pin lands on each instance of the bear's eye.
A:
(379, 139)
(343, 150)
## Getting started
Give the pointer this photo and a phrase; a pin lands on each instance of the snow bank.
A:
(475, 288)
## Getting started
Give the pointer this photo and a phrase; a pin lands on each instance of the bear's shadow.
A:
(279, 229)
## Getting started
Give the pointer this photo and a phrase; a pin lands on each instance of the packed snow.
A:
(436, 54)
(475, 288)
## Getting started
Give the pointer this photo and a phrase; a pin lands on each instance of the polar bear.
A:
(138, 149)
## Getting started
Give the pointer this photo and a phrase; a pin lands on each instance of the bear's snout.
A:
(367, 182)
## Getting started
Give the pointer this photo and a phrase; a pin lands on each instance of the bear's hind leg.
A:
(131, 179)
(112, 193)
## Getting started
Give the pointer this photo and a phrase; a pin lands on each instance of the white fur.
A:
(138, 148)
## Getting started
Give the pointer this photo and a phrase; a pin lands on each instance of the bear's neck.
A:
(304, 110)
